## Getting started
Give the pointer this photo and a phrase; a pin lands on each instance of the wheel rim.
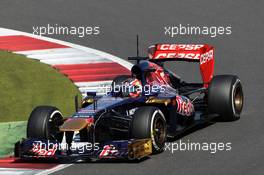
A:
(54, 122)
(159, 131)
(238, 99)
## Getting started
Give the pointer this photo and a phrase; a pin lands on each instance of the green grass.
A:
(26, 83)
(10, 133)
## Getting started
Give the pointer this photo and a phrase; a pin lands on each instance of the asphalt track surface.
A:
(240, 53)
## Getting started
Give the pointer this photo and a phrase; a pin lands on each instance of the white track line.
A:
(52, 170)
(58, 53)
(17, 171)
(75, 60)
(51, 51)
(91, 84)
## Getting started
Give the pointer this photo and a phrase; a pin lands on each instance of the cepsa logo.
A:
(195, 56)
(207, 56)
(179, 51)
(186, 51)
(179, 46)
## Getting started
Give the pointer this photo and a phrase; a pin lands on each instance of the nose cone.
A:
(76, 124)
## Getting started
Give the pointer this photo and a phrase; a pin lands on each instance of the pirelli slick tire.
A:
(149, 122)
(44, 122)
(225, 97)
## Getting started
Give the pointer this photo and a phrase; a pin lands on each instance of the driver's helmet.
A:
(133, 87)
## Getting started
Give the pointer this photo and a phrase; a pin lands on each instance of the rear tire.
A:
(225, 97)
(44, 122)
(149, 122)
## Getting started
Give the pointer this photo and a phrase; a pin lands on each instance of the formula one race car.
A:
(134, 119)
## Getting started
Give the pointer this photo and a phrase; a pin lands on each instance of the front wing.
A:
(119, 149)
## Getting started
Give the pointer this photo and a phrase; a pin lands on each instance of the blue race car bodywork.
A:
(129, 123)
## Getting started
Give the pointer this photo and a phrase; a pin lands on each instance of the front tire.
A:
(149, 122)
(225, 97)
(44, 122)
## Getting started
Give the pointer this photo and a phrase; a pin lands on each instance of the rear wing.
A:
(202, 53)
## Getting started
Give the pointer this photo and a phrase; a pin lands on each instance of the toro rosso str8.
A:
(135, 122)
